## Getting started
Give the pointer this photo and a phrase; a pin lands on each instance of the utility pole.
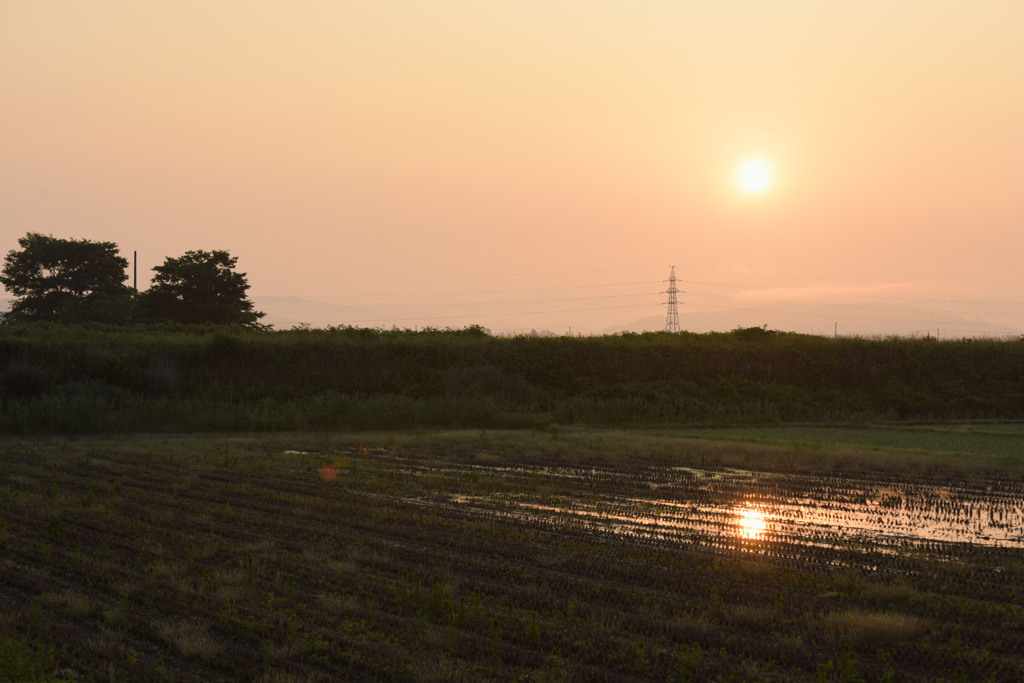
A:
(135, 270)
(672, 319)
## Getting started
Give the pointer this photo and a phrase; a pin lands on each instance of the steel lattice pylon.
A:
(672, 319)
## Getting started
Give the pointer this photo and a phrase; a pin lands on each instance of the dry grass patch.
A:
(751, 617)
(258, 548)
(755, 568)
(73, 604)
(166, 572)
(285, 676)
(898, 594)
(109, 643)
(348, 565)
(485, 458)
(691, 626)
(190, 637)
(230, 584)
(281, 651)
(437, 638)
(859, 628)
(231, 592)
(116, 616)
(336, 603)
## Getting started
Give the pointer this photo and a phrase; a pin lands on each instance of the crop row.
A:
(230, 558)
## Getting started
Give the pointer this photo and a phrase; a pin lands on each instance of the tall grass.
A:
(76, 379)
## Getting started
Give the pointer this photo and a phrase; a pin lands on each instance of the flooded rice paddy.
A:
(755, 512)
(288, 558)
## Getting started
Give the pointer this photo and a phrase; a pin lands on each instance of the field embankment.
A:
(67, 379)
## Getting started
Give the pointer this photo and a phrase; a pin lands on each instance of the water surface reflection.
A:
(679, 505)
(752, 523)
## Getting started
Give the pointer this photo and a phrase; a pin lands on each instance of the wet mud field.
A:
(761, 513)
(315, 559)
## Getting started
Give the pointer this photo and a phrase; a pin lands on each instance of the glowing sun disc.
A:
(753, 176)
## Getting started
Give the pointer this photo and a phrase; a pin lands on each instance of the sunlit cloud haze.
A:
(537, 165)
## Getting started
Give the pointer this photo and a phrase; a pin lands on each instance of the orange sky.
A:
(537, 165)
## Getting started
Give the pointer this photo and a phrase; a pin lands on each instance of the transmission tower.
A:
(672, 319)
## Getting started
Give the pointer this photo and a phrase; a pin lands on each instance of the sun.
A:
(754, 175)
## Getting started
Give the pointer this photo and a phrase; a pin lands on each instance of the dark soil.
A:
(228, 558)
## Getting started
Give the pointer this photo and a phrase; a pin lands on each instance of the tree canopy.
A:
(200, 287)
(66, 280)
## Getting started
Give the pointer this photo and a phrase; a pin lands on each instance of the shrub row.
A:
(70, 379)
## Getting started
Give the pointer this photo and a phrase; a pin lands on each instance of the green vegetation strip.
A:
(999, 440)
(160, 378)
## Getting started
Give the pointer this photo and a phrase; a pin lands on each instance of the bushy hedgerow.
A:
(57, 378)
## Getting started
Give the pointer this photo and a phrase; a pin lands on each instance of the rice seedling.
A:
(616, 550)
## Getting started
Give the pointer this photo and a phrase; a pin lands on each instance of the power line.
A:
(474, 315)
(451, 276)
(404, 295)
(464, 303)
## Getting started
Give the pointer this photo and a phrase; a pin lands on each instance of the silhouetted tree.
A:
(199, 287)
(62, 280)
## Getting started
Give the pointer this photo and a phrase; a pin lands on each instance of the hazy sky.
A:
(536, 164)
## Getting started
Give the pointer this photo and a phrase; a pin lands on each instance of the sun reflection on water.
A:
(752, 523)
